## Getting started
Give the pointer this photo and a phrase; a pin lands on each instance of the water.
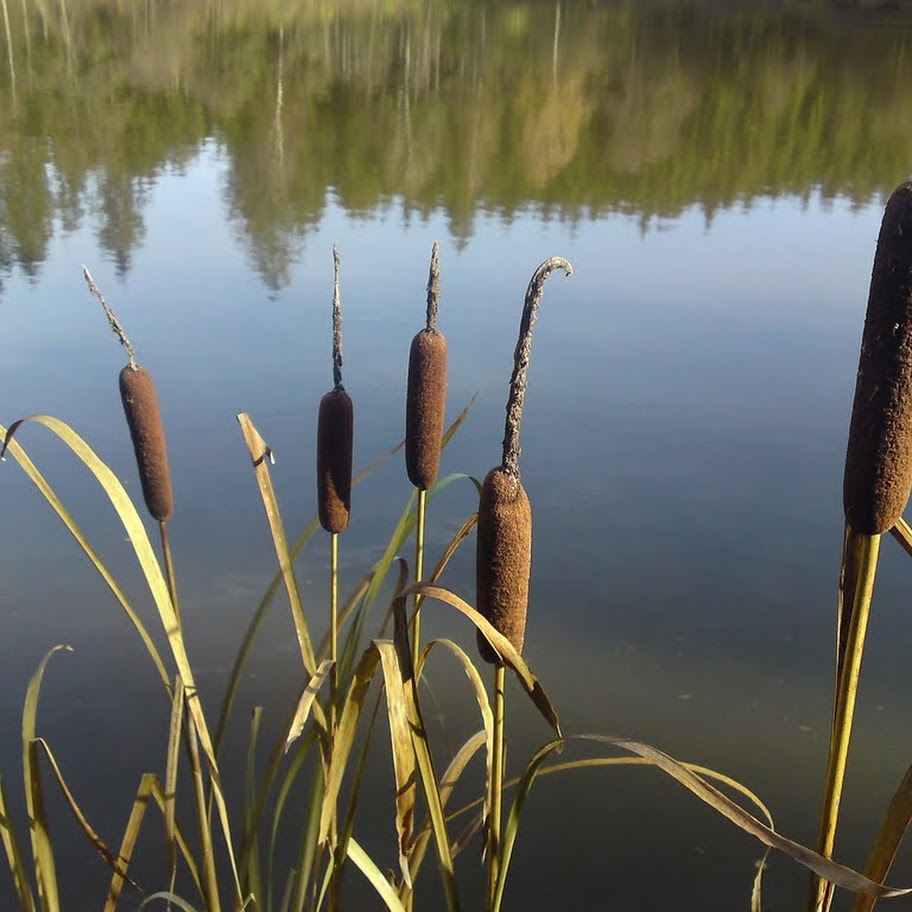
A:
(716, 177)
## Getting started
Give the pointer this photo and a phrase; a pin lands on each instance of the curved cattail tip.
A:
(521, 356)
(878, 471)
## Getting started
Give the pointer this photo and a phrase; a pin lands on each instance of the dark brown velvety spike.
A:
(425, 405)
(140, 403)
(878, 471)
(335, 434)
(503, 560)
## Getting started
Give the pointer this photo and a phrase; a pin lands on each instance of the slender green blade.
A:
(42, 846)
(14, 856)
(369, 869)
(13, 447)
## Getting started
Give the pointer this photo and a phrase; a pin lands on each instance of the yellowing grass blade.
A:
(889, 836)
(838, 874)
(366, 866)
(42, 847)
(142, 547)
(425, 761)
(39, 481)
(81, 819)
(171, 763)
(403, 753)
(302, 711)
(344, 738)
(14, 856)
(449, 781)
(508, 653)
(260, 454)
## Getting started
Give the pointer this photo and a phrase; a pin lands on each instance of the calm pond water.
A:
(715, 173)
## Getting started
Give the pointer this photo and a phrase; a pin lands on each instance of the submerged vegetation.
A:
(573, 110)
(222, 837)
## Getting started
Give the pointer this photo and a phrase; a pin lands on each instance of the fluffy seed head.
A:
(503, 558)
(878, 471)
(425, 405)
(140, 403)
(335, 433)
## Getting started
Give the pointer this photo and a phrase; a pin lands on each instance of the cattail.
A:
(878, 471)
(335, 434)
(140, 403)
(425, 402)
(503, 556)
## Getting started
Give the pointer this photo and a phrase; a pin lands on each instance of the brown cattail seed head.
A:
(335, 433)
(140, 403)
(503, 560)
(425, 405)
(878, 471)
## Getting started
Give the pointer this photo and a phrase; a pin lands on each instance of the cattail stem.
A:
(521, 356)
(333, 626)
(169, 569)
(209, 877)
(419, 575)
(861, 557)
(498, 766)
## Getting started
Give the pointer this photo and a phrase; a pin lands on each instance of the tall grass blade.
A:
(260, 454)
(12, 446)
(139, 540)
(310, 842)
(171, 767)
(305, 704)
(14, 856)
(171, 899)
(251, 875)
(369, 869)
(81, 819)
(510, 656)
(403, 754)
(291, 774)
(42, 847)
(685, 774)
(450, 779)
(889, 836)
(425, 761)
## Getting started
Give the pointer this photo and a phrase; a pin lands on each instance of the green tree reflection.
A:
(455, 106)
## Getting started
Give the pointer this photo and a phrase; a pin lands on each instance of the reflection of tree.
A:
(460, 107)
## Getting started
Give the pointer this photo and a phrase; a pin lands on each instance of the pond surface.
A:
(715, 173)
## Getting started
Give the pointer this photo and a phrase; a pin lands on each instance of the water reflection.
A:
(470, 107)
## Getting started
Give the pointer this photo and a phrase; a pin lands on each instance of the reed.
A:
(425, 407)
(876, 485)
(140, 405)
(503, 557)
(335, 434)
(425, 403)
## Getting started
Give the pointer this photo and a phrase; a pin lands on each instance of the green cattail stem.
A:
(862, 552)
(333, 625)
(419, 575)
(169, 569)
(498, 765)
